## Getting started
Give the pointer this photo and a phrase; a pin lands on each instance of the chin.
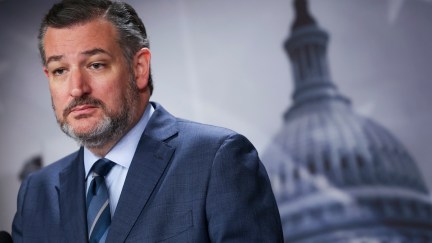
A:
(83, 131)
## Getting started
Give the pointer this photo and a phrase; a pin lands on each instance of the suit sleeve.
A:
(17, 225)
(240, 203)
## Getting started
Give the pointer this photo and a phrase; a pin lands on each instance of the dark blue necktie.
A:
(98, 208)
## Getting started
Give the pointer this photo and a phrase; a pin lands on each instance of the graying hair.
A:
(132, 35)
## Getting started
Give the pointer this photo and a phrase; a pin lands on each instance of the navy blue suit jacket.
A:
(187, 182)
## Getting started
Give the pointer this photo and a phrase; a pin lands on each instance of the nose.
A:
(79, 84)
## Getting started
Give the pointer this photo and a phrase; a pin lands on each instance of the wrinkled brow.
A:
(91, 52)
(53, 59)
(95, 51)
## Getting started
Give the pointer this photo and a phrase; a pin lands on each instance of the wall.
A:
(222, 62)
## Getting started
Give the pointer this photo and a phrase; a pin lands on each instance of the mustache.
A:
(84, 100)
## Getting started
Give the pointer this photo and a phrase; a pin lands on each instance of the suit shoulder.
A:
(48, 172)
(201, 129)
(61, 163)
(210, 136)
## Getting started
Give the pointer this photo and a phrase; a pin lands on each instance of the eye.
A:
(58, 71)
(97, 65)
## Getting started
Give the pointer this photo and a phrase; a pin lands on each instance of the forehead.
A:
(98, 33)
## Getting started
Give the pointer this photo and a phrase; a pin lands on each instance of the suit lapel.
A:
(72, 201)
(148, 165)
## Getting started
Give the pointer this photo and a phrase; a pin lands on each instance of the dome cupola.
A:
(339, 176)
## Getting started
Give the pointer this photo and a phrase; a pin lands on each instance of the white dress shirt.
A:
(122, 154)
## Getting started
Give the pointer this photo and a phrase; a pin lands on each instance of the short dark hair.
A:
(129, 26)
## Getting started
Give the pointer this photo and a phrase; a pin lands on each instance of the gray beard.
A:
(112, 126)
(107, 130)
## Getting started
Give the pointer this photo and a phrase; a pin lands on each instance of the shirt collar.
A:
(123, 152)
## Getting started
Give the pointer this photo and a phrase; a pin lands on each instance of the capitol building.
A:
(338, 176)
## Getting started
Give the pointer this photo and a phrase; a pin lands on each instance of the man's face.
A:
(92, 89)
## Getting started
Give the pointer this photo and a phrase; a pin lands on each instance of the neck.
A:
(103, 149)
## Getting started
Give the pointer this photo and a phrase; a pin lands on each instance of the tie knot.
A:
(102, 167)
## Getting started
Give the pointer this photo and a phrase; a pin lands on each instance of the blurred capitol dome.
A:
(338, 176)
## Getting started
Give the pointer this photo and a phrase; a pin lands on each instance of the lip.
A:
(83, 110)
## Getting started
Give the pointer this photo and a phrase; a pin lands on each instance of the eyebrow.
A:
(53, 59)
(95, 51)
(91, 52)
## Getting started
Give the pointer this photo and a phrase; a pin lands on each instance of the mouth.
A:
(82, 110)
(82, 107)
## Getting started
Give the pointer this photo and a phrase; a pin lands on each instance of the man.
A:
(141, 175)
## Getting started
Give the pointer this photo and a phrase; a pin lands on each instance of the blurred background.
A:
(223, 62)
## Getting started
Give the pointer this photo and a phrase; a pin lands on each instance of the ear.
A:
(46, 71)
(142, 67)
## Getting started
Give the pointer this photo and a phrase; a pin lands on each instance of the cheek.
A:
(114, 95)
(56, 106)
(114, 100)
(57, 100)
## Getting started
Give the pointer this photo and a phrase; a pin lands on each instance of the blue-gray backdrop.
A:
(222, 62)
